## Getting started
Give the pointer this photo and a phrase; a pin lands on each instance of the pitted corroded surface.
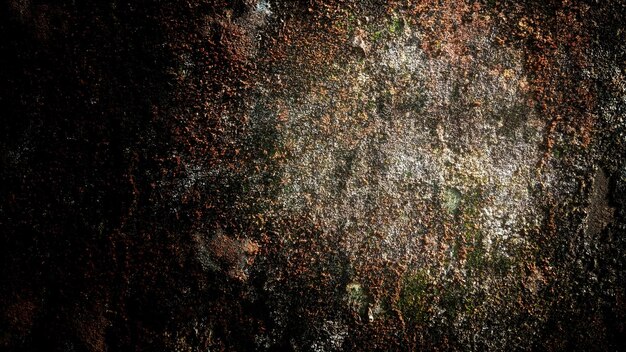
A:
(313, 176)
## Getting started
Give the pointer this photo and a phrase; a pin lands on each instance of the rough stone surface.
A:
(313, 176)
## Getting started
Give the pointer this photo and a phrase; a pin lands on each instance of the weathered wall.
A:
(313, 176)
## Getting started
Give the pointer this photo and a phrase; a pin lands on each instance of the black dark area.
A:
(95, 245)
(79, 83)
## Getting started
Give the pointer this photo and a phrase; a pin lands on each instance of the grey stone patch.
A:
(599, 212)
(452, 199)
(357, 298)
(331, 337)
(359, 42)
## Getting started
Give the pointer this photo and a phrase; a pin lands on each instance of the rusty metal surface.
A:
(312, 176)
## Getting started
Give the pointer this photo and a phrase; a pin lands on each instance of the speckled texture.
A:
(313, 176)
